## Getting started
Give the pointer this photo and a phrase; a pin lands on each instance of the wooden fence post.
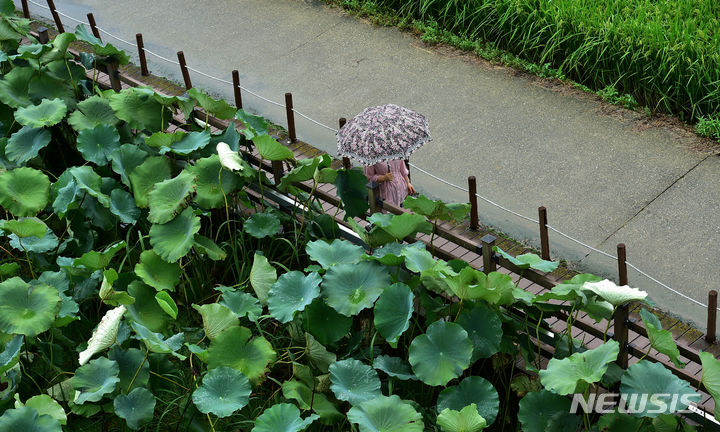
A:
(141, 54)
(277, 169)
(472, 192)
(184, 70)
(544, 242)
(372, 189)
(93, 25)
(56, 16)
(25, 8)
(290, 117)
(43, 36)
(112, 71)
(620, 317)
(488, 241)
(712, 316)
(236, 89)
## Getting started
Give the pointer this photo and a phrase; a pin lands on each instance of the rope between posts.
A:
(412, 165)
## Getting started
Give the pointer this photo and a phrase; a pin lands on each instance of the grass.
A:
(660, 54)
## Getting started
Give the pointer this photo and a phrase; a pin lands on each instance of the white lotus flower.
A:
(104, 335)
(228, 158)
(614, 294)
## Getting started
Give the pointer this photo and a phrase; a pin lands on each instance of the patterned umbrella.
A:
(382, 133)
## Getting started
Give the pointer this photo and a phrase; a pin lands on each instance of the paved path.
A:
(606, 175)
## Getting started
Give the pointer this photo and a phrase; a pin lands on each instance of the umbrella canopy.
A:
(382, 133)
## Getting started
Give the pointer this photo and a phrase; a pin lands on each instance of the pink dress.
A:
(395, 190)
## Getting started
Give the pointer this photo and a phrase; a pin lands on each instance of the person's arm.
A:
(406, 174)
(373, 176)
(411, 189)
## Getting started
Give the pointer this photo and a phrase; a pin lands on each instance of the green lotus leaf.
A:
(262, 276)
(710, 378)
(99, 47)
(24, 191)
(223, 391)
(174, 239)
(95, 379)
(140, 110)
(27, 310)
(242, 304)
(466, 420)
(49, 112)
(308, 399)
(393, 311)
(216, 318)
(495, 288)
(324, 323)
(395, 367)
(25, 227)
(320, 356)
(9, 269)
(136, 407)
(156, 342)
(218, 108)
(304, 171)
(337, 252)
(406, 225)
(234, 348)
(191, 142)
(619, 422)
(418, 260)
(45, 405)
(261, 225)
(391, 253)
(205, 246)
(134, 368)
(270, 149)
(254, 125)
(575, 373)
(97, 143)
(145, 309)
(46, 243)
(99, 260)
(282, 417)
(529, 260)
(648, 378)
(14, 87)
(661, 340)
(385, 414)
(291, 293)
(484, 329)
(441, 354)
(91, 112)
(167, 304)
(64, 194)
(545, 411)
(614, 294)
(10, 354)
(108, 295)
(471, 390)
(350, 288)
(352, 189)
(156, 272)
(27, 419)
(128, 157)
(26, 143)
(164, 140)
(122, 205)
(89, 181)
(169, 197)
(229, 136)
(354, 381)
(213, 184)
(436, 210)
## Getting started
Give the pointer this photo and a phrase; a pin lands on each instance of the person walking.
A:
(393, 177)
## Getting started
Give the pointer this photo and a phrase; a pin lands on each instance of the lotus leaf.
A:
(229, 158)
(96, 144)
(393, 311)
(282, 417)
(44, 405)
(254, 125)
(218, 108)
(140, 110)
(206, 247)
(145, 309)
(466, 420)
(136, 407)
(575, 373)
(216, 318)
(191, 142)
(104, 335)
(14, 87)
(235, 348)
(156, 342)
(385, 414)
(418, 260)
(614, 294)
(99, 260)
(25, 227)
(324, 323)
(242, 304)
(545, 411)
(441, 354)
(156, 272)
(710, 378)
(407, 225)
(167, 304)
(354, 381)
(26, 143)
(169, 197)
(307, 399)
(291, 293)
(223, 391)
(395, 367)
(484, 329)
(350, 288)
(270, 149)
(108, 295)
(320, 356)
(91, 112)
(27, 419)
(134, 368)
(651, 389)
(128, 157)
(262, 276)
(337, 252)
(529, 260)
(122, 205)
(27, 310)
(662, 340)
(89, 181)
(436, 210)
(49, 112)
(472, 390)
(212, 183)
(11, 353)
(304, 171)
(352, 189)
(173, 240)
(261, 225)
(24, 191)
(95, 379)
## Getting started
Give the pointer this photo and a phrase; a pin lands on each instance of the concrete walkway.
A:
(605, 174)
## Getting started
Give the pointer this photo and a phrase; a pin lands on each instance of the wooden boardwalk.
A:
(459, 241)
